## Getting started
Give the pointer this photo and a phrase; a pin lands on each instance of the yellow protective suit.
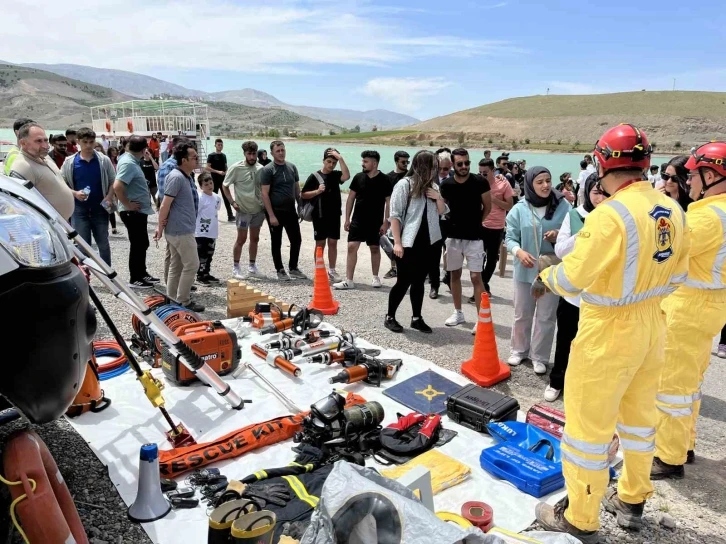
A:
(694, 315)
(631, 253)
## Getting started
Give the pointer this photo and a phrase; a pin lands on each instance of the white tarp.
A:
(116, 434)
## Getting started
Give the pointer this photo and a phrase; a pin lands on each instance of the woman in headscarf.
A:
(532, 228)
(568, 309)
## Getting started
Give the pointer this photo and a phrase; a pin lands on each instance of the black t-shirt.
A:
(370, 198)
(218, 161)
(464, 200)
(328, 203)
(395, 177)
(147, 167)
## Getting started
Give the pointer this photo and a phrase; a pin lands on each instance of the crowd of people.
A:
(598, 261)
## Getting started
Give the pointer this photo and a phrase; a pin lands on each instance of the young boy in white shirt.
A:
(207, 227)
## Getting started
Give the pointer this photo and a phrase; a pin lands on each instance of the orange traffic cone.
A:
(322, 294)
(484, 368)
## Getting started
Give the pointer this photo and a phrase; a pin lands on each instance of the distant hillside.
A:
(669, 118)
(48, 98)
(129, 83)
(143, 86)
(58, 101)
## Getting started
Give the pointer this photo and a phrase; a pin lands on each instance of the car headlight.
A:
(30, 237)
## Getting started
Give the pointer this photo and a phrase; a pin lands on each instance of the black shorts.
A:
(325, 228)
(371, 235)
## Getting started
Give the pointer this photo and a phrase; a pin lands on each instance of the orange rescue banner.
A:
(177, 461)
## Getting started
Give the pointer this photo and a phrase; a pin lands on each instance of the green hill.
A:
(669, 118)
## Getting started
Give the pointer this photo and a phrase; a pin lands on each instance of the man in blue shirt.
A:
(135, 208)
(93, 170)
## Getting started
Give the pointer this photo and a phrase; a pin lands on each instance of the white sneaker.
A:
(551, 394)
(334, 277)
(376, 282)
(473, 331)
(345, 284)
(457, 318)
(539, 367)
(515, 359)
(252, 270)
(237, 273)
(721, 353)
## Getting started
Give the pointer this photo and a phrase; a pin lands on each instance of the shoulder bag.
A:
(306, 210)
(544, 260)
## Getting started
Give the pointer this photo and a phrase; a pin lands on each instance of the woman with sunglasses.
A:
(416, 205)
(532, 228)
(568, 309)
(675, 176)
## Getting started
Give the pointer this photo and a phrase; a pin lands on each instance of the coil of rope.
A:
(116, 367)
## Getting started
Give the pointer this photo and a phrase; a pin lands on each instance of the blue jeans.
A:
(93, 220)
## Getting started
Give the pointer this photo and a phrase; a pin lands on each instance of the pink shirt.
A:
(497, 217)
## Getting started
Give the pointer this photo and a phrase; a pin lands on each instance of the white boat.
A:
(147, 117)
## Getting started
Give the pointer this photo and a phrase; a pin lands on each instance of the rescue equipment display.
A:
(371, 370)
(215, 343)
(425, 393)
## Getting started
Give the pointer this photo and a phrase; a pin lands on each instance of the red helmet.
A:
(711, 155)
(623, 147)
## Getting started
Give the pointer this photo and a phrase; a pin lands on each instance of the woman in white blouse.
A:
(568, 309)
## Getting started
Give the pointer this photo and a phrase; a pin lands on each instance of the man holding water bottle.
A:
(90, 176)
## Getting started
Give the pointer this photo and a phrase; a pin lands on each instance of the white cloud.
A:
(571, 87)
(292, 36)
(406, 93)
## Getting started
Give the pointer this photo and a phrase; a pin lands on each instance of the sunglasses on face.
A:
(463, 163)
(668, 177)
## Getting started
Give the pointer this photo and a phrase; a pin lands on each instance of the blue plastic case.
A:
(530, 472)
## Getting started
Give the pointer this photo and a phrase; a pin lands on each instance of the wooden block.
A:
(233, 283)
(242, 290)
(252, 297)
(249, 304)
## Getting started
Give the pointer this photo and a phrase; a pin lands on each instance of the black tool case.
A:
(474, 407)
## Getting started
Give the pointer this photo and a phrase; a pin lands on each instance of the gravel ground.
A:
(690, 510)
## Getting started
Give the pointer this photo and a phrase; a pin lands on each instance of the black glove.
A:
(295, 529)
(263, 494)
(308, 454)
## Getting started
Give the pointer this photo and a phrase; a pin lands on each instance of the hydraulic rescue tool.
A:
(349, 355)
(303, 320)
(372, 371)
(212, 341)
(110, 280)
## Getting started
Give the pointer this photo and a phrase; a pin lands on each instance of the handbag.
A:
(544, 260)
(306, 210)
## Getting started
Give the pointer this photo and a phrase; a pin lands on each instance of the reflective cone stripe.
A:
(484, 368)
(322, 293)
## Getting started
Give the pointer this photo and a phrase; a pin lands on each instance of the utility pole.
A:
(674, 84)
(548, 91)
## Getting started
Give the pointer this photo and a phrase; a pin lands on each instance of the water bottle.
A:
(87, 191)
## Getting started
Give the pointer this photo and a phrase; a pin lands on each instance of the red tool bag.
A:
(552, 421)
(546, 418)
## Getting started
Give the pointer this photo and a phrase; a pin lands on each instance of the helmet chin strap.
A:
(705, 186)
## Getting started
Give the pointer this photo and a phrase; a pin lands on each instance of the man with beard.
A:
(59, 152)
(33, 164)
(469, 199)
(241, 186)
(401, 159)
(370, 192)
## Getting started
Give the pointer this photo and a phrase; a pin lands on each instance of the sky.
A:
(425, 58)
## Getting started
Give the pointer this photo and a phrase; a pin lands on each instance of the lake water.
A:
(308, 156)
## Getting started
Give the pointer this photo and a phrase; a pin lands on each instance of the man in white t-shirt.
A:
(581, 179)
(163, 147)
(654, 177)
(590, 165)
(207, 227)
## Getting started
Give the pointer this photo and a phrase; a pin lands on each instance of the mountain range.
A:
(143, 86)
(57, 101)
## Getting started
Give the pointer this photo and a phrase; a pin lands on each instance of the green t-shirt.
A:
(129, 172)
(244, 182)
